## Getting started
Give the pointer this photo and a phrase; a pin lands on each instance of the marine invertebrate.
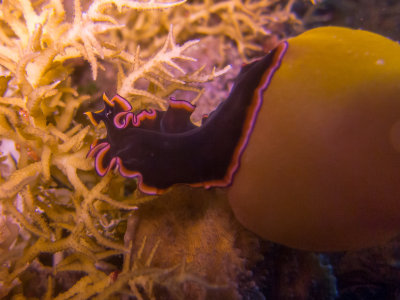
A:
(166, 141)
(321, 169)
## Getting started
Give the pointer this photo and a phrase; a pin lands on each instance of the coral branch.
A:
(168, 52)
(19, 179)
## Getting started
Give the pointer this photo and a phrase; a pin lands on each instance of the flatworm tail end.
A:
(252, 112)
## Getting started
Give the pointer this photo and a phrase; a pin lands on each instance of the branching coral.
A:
(246, 23)
(241, 22)
(50, 189)
(163, 80)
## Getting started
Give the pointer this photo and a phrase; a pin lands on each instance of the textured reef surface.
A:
(67, 233)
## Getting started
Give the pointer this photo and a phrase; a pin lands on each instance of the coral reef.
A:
(65, 233)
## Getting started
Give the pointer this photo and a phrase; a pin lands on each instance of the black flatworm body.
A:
(163, 148)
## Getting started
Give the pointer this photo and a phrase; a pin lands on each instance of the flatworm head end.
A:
(111, 107)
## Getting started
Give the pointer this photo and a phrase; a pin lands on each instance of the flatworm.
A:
(163, 148)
